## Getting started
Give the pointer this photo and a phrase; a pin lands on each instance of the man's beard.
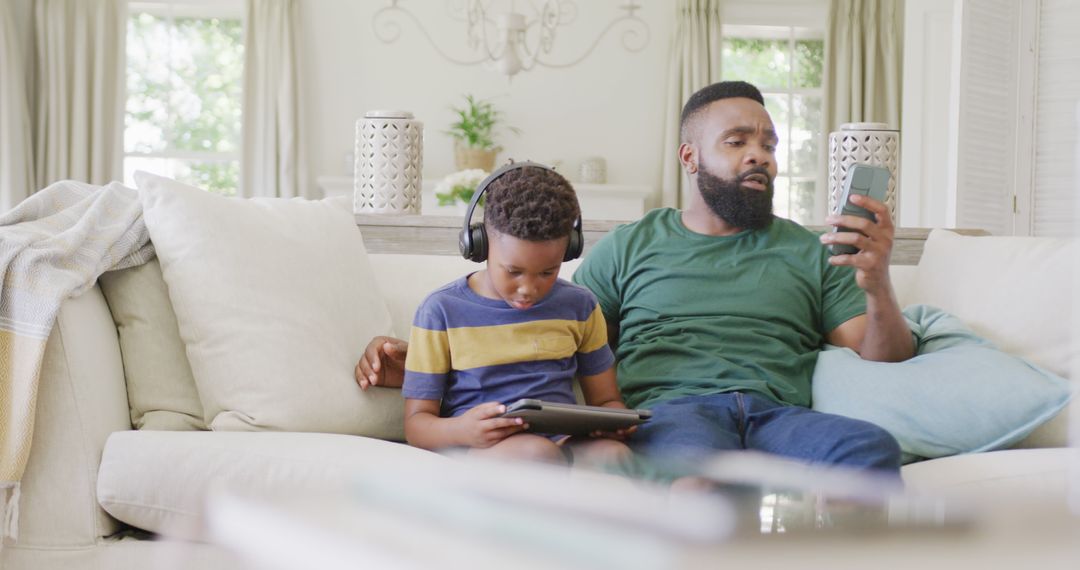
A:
(740, 207)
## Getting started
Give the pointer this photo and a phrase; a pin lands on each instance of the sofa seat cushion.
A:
(1013, 474)
(159, 481)
(1010, 290)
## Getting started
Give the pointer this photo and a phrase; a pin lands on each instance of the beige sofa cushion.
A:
(1016, 474)
(161, 389)
(1015, 291)
(275, 303)
(158, 481)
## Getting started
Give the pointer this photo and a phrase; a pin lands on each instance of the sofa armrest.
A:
(81, 400)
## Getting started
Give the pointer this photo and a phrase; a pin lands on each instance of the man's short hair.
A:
(715, 92)
(531, 203)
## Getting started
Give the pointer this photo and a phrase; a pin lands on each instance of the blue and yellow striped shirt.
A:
(465, 349)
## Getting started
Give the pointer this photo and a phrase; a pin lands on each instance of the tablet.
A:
(573, 419)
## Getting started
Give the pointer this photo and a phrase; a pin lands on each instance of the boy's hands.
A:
(482, 427)
(619, 435)
(383, 363)
(602, 390)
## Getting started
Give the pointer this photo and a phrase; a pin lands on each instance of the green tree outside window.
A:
(184, 105)
(788, 69)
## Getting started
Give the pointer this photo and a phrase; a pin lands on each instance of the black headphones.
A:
(473, 239)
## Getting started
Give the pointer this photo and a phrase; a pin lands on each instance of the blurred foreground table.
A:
(525, 518)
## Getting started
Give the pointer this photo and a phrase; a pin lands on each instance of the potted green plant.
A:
(474, 134)
(458, 188)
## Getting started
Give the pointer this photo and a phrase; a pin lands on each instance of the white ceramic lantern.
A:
(866, 143)
(389, 159)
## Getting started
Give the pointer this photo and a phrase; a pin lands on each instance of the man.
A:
(720, 310)
(717, 312)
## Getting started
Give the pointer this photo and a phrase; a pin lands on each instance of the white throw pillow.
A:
(161, 389)
(275, 302)
(1015, 291)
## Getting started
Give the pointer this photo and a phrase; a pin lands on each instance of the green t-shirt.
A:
(704, 314)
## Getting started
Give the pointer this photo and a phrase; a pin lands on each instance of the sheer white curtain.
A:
(79, 90)
(16, 144)
(61, 106)
(695, 63)
(864, 62)
(274, 161)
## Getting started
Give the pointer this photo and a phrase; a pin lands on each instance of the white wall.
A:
(806, 13)
(925, 132)
(987, 114)
(977, 73)
(609, 105)
(962, 114)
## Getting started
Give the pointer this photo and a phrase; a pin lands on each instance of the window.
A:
(786, 63)
(185, 67)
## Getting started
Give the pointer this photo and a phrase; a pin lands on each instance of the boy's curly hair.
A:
(531, 203)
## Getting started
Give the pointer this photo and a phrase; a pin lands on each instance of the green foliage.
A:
(768, 63)
(208, 89)
(809, 63)
(785, 72)
(460, 185)
(476, 124)
(456, 194)
(219, 177)
(802, 200)
(184, 84)
(764, 63)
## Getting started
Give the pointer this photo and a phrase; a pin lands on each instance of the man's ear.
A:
(688, 156)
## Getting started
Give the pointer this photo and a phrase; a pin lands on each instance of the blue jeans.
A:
(694, 426)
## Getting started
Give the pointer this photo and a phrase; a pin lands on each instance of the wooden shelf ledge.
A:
(438, 235)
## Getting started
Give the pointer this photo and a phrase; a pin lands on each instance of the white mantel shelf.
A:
(598, 201)
(438, 235)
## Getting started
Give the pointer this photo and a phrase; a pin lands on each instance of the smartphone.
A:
(872, 181)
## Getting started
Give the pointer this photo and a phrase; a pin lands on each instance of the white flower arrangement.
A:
(459, 186)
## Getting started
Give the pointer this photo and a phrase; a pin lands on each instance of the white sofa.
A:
(85, 453)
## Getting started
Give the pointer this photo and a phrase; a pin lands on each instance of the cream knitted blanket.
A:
(53, 246)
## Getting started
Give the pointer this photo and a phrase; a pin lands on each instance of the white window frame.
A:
(170, 10)
(792, 33)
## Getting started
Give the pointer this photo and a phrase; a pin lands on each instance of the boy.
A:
(512, 330)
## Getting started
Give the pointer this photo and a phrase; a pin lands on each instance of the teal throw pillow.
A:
(959, 394)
